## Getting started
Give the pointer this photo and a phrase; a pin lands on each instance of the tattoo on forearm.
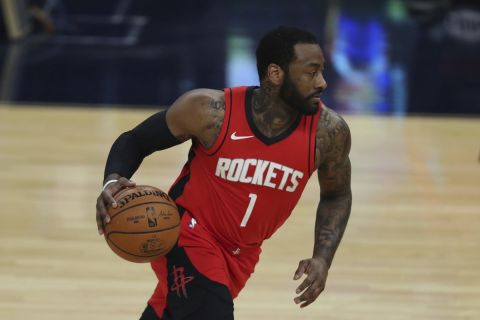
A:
(332, 218)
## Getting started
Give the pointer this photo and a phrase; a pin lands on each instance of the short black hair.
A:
(277, 47)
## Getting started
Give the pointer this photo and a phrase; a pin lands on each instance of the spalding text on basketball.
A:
(129, 197)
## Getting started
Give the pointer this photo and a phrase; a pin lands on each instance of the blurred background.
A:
(383, 56)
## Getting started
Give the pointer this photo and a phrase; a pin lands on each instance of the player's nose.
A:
(320, 83)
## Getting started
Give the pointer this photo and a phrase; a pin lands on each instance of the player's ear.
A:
(275, 74)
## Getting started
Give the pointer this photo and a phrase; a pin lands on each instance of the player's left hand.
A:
(316, 270)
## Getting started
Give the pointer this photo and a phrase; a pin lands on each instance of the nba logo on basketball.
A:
(152, 217)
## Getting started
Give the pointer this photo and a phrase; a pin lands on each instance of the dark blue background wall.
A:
(382, 56)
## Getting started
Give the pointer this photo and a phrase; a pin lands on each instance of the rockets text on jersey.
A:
(259, 172)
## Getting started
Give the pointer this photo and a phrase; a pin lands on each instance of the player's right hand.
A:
(106, 200)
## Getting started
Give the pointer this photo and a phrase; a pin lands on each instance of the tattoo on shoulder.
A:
(333, 137)
(217, 104)
(216, 108)
(333, 147)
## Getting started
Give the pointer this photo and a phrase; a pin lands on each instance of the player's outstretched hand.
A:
(105, 200)
(316, 270)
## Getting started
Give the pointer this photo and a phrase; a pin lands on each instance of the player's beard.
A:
(293, 98)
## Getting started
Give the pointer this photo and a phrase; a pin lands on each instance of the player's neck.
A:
(270, 113)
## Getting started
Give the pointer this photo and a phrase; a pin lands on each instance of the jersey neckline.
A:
(251, 123)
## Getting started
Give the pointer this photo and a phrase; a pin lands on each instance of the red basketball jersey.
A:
(237, 193)
(243, 188)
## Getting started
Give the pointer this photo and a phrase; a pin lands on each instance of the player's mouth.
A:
(316, 97)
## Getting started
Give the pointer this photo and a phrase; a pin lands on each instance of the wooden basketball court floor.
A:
(411, 250)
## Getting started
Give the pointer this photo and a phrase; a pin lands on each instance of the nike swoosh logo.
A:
(235, 137)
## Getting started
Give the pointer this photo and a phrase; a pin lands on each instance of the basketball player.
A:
(253, 150)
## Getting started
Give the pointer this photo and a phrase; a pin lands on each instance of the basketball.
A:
(144, 226)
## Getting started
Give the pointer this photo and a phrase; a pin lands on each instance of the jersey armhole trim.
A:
(225, 125)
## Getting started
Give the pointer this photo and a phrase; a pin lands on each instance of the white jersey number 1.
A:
(251, 204)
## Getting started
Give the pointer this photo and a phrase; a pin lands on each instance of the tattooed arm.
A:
(197, 115)
(333, 163)
(334, 171)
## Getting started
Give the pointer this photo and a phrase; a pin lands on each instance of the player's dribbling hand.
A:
(105, 200)
(316, 270)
